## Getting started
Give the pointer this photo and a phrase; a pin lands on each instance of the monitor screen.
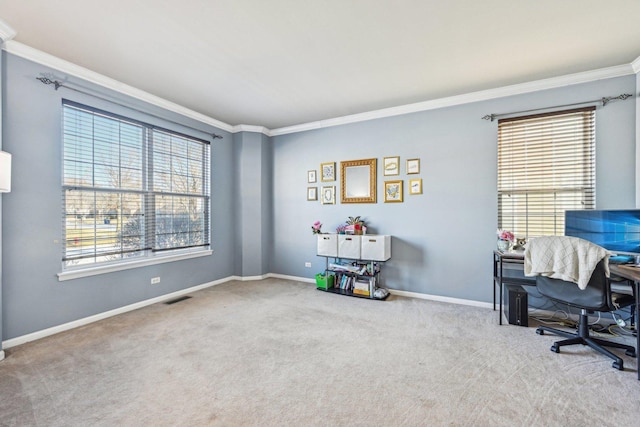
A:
(615, 230)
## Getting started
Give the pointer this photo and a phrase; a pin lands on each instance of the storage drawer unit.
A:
(328, 245)
(348, 246)
(375, 247)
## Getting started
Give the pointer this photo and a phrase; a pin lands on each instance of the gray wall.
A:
(34, 299)
(252, 152)
(260, 216)
(443, 239)
(637, 94)
(1, 195)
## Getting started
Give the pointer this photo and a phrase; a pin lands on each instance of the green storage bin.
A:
(324, 281)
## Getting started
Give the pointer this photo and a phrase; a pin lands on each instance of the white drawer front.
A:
(376, 247)
(348, 246)
(328, 245)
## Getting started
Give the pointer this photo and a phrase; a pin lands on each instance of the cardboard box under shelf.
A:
(324, 281)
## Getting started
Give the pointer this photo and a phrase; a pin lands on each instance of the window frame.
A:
(181, 186)
(566, 139)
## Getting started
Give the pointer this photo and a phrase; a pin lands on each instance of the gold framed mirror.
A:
(358, 181)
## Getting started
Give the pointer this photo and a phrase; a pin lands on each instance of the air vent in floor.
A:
(173, 301)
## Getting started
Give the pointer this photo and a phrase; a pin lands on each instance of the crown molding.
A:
(636, 65)
(26, 52)
(251, 128)
(484, 95)
(35, 55)
(6, 32)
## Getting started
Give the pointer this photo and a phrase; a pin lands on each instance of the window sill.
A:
(94, 271)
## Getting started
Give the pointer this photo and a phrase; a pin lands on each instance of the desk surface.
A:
(626, 271)
(516, 255)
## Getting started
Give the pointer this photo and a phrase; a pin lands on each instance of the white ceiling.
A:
(277, 63)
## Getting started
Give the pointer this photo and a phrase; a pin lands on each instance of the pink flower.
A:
(506, 235)
(315, 228)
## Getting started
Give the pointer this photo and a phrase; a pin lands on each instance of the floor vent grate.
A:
(173, 301)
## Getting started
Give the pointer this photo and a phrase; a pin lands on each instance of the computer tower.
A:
(516, 305)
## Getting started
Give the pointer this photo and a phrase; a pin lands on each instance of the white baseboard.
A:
(459, 301)
(400, 293)
(294, 278)
(87, 320)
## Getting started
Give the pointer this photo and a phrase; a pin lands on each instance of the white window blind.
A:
(130, 189)
(546, 165)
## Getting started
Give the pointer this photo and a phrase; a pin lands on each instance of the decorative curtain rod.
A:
(58, 84)
(604, 101)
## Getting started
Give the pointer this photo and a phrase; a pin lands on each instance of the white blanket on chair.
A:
(561, 257)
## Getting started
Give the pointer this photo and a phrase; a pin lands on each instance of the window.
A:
(130, 190)
(546, 165)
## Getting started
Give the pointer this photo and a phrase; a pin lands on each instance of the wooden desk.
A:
(631, 273)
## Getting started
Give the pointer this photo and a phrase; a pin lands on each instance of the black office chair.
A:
(596, 297)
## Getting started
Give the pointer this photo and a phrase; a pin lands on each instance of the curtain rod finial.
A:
(489, 117)
(48, 81)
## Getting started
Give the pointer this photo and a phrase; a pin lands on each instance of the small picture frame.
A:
(391, 166)
(413, 166)
(329, 195)
(328, 171)
(312, 193)
(393, 191)
(311, 176)
(415, 186)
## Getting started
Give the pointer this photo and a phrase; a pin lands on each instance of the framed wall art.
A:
(413, 166)
(328, 171)
(392, 191)
(312, 193)
(391, 165)
(358, 181)
(311, 176)
(415, 186)
(329, 195)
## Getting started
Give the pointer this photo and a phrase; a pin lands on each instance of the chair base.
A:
(582, 337)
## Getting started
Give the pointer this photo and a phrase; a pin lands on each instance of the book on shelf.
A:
(362, 286)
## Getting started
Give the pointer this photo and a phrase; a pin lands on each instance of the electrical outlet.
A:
(307, 264)
(155, 280)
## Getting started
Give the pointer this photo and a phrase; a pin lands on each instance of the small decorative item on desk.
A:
(316, 228)
(505, 239)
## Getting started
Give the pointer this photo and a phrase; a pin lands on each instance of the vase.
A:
(503, 245)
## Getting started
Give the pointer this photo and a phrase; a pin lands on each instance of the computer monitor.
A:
(615, 230)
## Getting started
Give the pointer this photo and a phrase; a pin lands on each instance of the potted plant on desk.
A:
(505, 239)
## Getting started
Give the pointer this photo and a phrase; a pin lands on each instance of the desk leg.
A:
(500, 303)
(495, 274)
(500, 295)
(637, 292)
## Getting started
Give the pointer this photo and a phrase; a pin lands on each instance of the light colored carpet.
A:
(279, 353)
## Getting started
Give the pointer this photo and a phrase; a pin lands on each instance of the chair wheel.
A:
(555, 348)
(539, 331)
(630, 353)
(618, 366)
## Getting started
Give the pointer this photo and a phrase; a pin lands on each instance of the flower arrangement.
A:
(506, 235)
(316, 228)
(356, 225)
(355, 221)
(341, 229)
